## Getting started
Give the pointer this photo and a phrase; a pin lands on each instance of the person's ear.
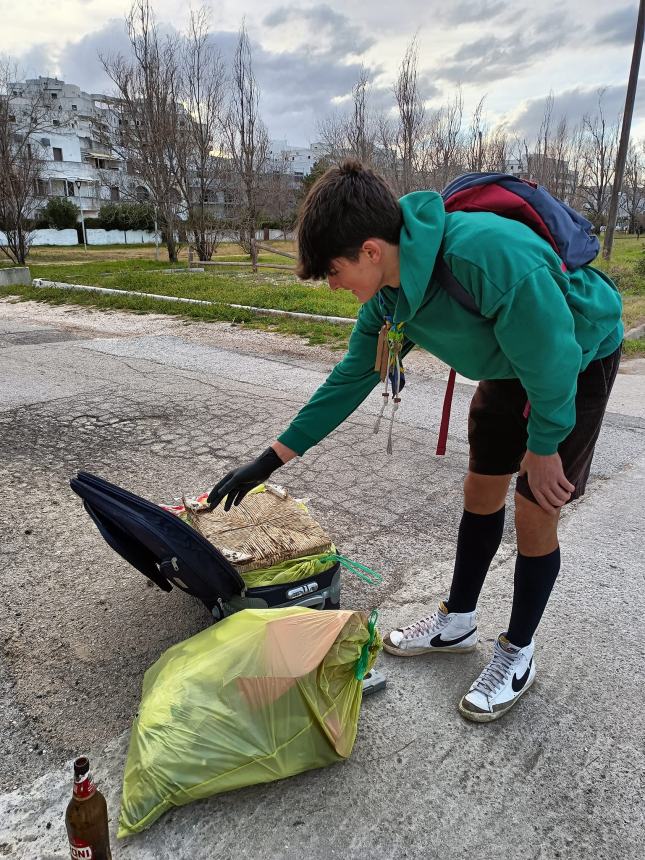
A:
(373, 250)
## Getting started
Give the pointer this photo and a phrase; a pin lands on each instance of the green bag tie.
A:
(371, 577)
(361, 665)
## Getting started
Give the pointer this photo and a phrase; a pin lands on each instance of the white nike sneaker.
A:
(509, 675)
(442, 632)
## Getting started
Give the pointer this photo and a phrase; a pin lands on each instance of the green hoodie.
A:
(538, 324)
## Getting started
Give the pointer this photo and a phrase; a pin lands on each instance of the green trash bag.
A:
(291, 570)
(262, 695)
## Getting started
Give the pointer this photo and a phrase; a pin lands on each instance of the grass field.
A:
(135, 268)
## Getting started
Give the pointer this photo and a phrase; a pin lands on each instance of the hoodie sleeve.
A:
(535, 329)
(345, 388)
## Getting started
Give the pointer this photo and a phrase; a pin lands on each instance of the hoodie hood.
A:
(424, 219)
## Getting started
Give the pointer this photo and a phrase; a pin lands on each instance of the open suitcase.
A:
(170, 552)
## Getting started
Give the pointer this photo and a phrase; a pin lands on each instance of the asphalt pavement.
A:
(161, 413)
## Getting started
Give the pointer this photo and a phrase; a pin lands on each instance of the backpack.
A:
(568, 233)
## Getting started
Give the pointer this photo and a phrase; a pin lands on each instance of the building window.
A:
(54, 96)
(114, 193)
(58, 153)
(74, 107)
(56, 122)
(70, 188)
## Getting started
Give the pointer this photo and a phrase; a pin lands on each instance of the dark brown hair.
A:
(346, 206)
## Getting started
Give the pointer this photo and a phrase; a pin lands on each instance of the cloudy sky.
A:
(307, 54)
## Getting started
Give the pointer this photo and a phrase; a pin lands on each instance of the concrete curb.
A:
(11, 275)
(41, 283)
(635, 333)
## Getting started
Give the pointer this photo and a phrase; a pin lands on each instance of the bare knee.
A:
(485, 494)
(537, 531)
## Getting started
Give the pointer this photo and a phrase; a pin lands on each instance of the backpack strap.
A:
(445, 414)
(451, 285)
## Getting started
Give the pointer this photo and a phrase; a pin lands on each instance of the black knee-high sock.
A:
(479, 538)
(534, 581)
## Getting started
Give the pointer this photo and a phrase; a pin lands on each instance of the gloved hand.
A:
(236, 484)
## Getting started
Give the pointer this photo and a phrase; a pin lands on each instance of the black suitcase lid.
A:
(159, 544)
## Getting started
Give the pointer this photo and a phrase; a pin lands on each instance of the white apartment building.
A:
(76, 165)
(297, 160)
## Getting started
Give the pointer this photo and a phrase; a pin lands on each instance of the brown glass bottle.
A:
(86, 817)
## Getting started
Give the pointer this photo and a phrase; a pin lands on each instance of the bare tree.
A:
(410, 130)
(199, 168)
(21, 161)
(475, 156)
(538, 158)
(359, 128)
(633, 186)
(246, 137)
(444, 141)
(573, 194)
(598, 156)
(279, 193)
(352, 133)
(497, 151)
(148, 116)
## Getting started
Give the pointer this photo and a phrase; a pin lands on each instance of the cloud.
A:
(302, 84)
(469, 11)
(574, 104)
(77, 62)
(616, 28)
(326, 30)
(299, 89)
(493, 58)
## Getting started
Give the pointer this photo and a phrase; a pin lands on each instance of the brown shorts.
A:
(497, 428)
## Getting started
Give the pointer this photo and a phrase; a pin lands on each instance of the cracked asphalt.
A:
(162, 407)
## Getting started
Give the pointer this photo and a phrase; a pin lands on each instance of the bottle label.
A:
(84, 786)
(81, 850)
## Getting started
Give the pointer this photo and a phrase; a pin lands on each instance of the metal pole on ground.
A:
(254, 254)
(156, 236)
(624, 135)
(79, 182)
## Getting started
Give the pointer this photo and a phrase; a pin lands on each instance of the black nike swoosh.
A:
(438, 642)
(518, 683)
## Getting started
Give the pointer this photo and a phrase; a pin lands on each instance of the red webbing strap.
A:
(445, 414)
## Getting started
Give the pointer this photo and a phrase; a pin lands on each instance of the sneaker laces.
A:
(496, 673)
(431, 623)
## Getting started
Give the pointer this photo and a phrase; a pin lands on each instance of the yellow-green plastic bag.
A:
(262, 695)
(291, 570)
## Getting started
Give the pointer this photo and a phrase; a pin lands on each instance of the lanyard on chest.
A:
(388, 365)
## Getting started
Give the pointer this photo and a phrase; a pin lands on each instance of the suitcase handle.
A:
(315, 601)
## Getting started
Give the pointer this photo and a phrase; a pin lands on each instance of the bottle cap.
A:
(81, 766)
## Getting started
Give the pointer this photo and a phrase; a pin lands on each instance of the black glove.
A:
(237, 483)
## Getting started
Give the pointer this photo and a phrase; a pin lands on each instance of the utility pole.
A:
(624, 134)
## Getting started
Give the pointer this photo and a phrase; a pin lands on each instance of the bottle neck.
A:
(84, 786)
